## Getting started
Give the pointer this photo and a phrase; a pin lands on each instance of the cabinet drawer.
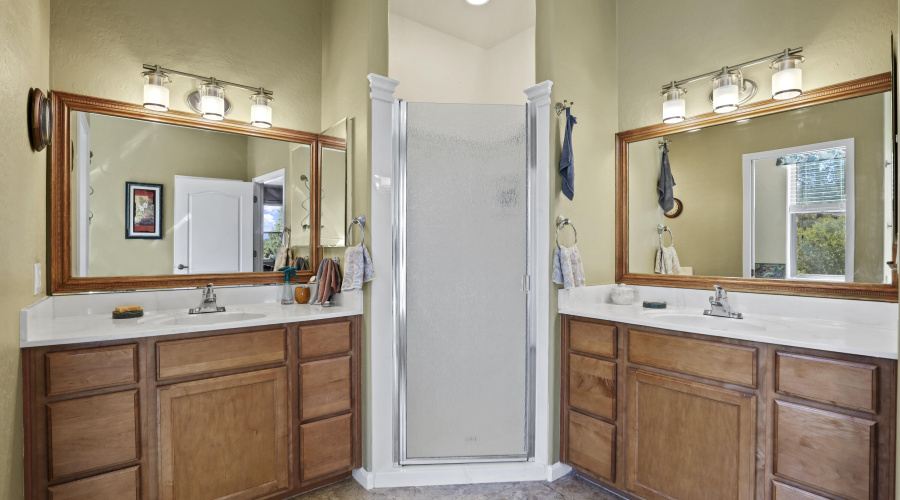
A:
(592, 338)
(324, 387)
(712, 360)
(592, 386)
(178, 358)
(94, 432)
(592, 446)
(326, 447)
(782, 491)
(319, 340)
(840, 383)
(86, 369)
(830, 451)
(122, 484)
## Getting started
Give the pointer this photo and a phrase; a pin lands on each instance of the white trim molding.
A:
(557, 471)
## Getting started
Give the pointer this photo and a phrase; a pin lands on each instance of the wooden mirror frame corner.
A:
(61, 279)
(861, 291)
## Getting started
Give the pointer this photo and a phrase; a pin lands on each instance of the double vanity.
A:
(261, 400)
(792, 402)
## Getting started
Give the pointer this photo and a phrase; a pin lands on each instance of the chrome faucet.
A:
(207, 303)
(719, 306)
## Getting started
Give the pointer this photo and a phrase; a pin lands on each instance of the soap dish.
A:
(127, 314)
(654, 304)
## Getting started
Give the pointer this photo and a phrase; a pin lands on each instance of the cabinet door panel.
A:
(324, 387)
(685, 437)
(179, 358)
(592, 446)
(839, 383)
(828, 451)
(712, 360)
(592, 338)
(321, 340)
(94, 432)
(327, 446)
(122, 484)
(782, 491)
(225, 437)
(592, 386)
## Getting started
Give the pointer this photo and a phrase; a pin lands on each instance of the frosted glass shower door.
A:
(463, 335)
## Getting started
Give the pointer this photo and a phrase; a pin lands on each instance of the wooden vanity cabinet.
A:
(238, 414)
(672, 415)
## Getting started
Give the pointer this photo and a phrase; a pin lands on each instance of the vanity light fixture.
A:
(477, 2)
(156, 95)
(731, 89)
(260, 111)
(674, 106)
(209, 99)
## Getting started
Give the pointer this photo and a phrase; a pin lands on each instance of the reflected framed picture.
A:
(143, 211)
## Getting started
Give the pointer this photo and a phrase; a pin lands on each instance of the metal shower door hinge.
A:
(526, 283)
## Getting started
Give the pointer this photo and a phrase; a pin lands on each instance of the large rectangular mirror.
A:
(144, 199)
(795, 197)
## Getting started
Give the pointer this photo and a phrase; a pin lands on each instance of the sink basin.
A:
(703, 321)
(202, 319)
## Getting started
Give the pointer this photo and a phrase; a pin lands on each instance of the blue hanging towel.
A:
(567, 159)
(665, 183)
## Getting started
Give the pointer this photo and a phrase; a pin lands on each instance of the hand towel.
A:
(567, 158)
(665, 183)
(567, 267)
(667, 261)
(357, 268)
(331, 281)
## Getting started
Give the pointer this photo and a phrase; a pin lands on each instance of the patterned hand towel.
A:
(567, 267)
(667, 261)
(357, 268)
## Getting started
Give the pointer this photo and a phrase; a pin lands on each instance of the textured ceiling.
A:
(484, 25)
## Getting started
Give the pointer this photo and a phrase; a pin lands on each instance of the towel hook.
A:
(561, 107)
(664, 143)
(562, 222)
(361, 222)
(661, 229)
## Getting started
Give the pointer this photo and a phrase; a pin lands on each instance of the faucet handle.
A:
(720, 292)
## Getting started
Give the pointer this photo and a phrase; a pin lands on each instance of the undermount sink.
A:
(701, 320)
(203, 319)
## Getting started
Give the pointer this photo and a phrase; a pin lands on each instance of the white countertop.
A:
(78, 319)
(823, 324)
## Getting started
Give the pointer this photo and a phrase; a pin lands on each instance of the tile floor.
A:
(569, 487)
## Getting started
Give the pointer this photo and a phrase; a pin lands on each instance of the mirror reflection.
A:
(155, 199)
(799, 195)
(334, 192)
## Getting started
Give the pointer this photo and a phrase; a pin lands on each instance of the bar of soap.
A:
(122, 309)
(653, 304)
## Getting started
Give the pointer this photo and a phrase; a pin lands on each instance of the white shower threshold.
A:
(437, 475)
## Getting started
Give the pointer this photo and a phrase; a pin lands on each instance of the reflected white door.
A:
(213, 225)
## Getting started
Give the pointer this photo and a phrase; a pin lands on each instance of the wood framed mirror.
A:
(790, 197)
(141, 199)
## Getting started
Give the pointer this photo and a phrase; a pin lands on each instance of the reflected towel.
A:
(568, 270)
(667, 261)
(665, 183)
(357, 268)
(567, 158)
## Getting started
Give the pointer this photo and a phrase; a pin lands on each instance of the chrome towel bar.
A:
(562, 222)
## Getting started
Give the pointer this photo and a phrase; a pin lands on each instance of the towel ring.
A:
(661, 229)
(361, 222)
(562, 222)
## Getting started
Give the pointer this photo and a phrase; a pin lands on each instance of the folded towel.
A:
(667, 261)
(567, 267)
(357, 268)
(567, 158)
(665, 183)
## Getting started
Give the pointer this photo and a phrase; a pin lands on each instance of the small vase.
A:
(287, 295)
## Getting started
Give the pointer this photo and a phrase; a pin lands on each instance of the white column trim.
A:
(382, 87)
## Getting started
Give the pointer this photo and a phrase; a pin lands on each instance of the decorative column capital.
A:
(382, 87)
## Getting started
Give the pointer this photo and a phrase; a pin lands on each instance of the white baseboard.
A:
(435, 475)
(557, 471)
(365, 478)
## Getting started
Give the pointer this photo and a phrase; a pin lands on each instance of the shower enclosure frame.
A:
(398, 209)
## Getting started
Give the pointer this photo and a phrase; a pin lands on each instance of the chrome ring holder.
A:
(361, 222)
(562, 222)
(665, 229)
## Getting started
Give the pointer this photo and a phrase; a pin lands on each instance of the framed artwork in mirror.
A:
(676, 210)
(143, 211)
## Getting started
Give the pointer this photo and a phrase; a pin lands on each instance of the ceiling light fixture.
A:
(477, 2)
(731, 89)
(209, 99)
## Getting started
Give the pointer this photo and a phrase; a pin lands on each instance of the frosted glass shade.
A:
(156, 95)
(726, 98)
(260, 111)
(674, 110)
(787, 83)
(212, 101)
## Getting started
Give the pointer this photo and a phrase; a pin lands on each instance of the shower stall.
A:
(460, 348)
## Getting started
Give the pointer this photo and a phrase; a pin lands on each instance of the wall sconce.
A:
(674, 107)
(731, 89)
(209, 99)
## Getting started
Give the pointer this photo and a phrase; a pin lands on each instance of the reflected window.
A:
(269, 225)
